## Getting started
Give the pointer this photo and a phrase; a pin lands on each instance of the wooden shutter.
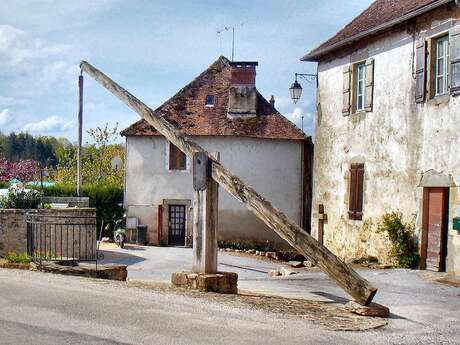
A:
(420, 72)
(346, 90)
(454, 59)
(369, 91)
(355, 208)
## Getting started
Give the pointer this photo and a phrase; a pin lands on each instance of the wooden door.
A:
(434, 235)
(176, 235)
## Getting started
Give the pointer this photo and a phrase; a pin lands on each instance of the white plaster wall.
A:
(272, 167)
(398, 141)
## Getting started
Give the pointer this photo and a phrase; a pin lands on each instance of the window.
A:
(355, 207)
(360, 86)
(441, 66)
(438, 66)
(209, 101)
(177, 159)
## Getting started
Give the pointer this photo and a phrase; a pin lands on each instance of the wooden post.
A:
(79, 132)
(344, 275)
(205, 208)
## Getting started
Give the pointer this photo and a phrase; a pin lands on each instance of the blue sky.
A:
(152, 48)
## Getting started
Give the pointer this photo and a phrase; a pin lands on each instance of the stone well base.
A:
(221, 282)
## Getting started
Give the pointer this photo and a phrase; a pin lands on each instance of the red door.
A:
(434, 235)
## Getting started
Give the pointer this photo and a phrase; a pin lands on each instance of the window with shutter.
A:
(455, 60)
(420, 72)
(355, 207)
(177, 159)
(346, 90)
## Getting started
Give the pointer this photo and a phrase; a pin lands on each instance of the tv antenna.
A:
(232, 29)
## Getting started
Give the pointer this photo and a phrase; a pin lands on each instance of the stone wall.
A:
(53, 231)
(13, 233)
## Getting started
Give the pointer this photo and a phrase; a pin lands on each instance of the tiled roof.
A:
(186, 111)
(379, 13)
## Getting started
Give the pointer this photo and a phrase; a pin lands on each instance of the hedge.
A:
(107, 199)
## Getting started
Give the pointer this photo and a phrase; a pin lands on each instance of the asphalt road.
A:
(38, 308)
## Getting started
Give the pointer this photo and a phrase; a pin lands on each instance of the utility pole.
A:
(79, 131)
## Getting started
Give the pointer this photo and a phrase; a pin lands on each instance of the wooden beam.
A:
(205, 207)
(359, 288)
(79, 132)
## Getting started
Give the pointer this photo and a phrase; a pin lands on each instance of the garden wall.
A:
(13, 230)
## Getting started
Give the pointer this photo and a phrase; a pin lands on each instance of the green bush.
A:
(404, 247)
(246, 245)
(21, 199)
(14, 258)
(4, 184)
(107, 199)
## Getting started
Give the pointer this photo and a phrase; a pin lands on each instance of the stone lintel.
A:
(221, 282)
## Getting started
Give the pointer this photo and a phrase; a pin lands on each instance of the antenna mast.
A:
(228, 28)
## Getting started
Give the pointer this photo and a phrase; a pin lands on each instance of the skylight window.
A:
(209, 101)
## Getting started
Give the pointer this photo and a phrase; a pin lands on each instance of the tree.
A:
(96, 159)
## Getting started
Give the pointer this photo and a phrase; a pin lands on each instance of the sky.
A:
(153, 49)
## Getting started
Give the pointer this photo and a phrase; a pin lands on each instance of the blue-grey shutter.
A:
(420, 72)
(346, 90)
(369, 98)
(454, 53)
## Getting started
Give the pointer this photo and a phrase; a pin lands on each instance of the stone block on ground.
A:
(295, 264)
(105, 271)
(221, 282)
(274, 273)
(308, 264)
(373, 309)
(287, 271)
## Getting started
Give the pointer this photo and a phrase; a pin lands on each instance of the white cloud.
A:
(50, 124)
(296, 115)
(5, 117)
(32, 66)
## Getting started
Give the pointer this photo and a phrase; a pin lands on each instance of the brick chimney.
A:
(242, 99)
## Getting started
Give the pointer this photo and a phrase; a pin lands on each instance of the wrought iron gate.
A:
(61, 237)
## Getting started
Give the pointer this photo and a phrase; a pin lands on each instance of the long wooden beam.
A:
(347, 278)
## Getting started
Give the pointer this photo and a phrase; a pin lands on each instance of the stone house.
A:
(225, 114)
(387, 130)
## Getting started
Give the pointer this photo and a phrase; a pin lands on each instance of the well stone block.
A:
(221, 282)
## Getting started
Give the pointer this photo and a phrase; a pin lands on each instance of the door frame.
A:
(444, 229)
(188, 220)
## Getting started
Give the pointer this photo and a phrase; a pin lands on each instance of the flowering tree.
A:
(25, 170)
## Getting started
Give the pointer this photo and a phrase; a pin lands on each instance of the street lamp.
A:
(296, 89)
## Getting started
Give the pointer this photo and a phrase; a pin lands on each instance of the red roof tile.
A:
(186, 111)
(379, 13)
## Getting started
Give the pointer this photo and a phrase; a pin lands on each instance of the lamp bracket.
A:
(307, 76)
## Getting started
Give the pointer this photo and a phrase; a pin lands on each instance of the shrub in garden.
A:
(14, 258)
(404, 247)
(20, 198)
(107, 199)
